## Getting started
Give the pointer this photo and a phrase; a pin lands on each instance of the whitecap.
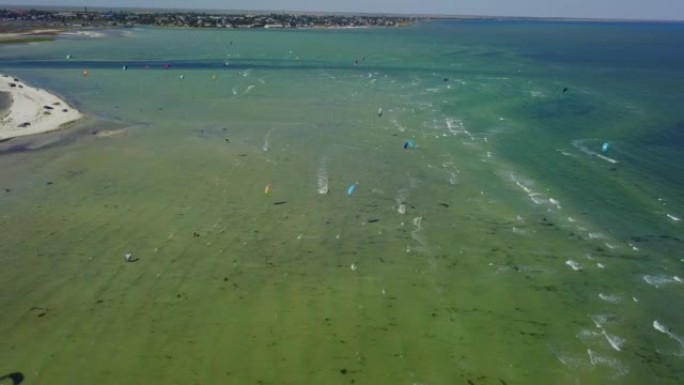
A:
(660, 327)
(666, 330)
(658, 280)
(615, 342)
(322, 177)
(555, 203)
(573, 264)
(610, 298)
(676, 219)
(268, 134)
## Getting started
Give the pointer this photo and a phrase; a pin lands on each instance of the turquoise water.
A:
(505, 248)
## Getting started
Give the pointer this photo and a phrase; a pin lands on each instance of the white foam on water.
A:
(249, 88)
(596, 236)
(235, 90)
(657, 325)
(573, 264)
(535, 269)
(322, 177)
(600, 265)
(676, 219)
(578, 144)
(586, 335)
(615, 342)
(536, 197)
(600, 320)
(399, 126)
(659, 280)
(456, 127)
(607, 159)
(570, 361)
(610, 298)
(619, 369)
(417, 236)
(402, 196)
(268, 134)
(519, 231)
(660, 327)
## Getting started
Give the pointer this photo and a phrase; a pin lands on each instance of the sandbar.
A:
(33, 110)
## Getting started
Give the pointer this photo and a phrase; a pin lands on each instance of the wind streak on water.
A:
(268, 134)
(580, 146)
(323, 177)
(657, 325)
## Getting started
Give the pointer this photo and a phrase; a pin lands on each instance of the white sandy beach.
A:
(33, 110)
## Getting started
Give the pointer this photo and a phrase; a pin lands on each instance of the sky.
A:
(600, 9)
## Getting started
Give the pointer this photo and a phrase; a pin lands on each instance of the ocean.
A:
(515, 216)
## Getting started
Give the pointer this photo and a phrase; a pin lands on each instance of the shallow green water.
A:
(451, 261)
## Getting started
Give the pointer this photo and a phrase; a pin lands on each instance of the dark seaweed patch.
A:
(16, 378)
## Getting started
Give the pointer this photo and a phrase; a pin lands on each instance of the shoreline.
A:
(30, 35)
(33, 110)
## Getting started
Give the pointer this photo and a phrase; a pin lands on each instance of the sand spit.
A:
(33, 110)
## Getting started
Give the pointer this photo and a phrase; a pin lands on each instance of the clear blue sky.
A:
(613, 9)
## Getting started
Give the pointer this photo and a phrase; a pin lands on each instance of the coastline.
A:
(32, 35)
(33, 110)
